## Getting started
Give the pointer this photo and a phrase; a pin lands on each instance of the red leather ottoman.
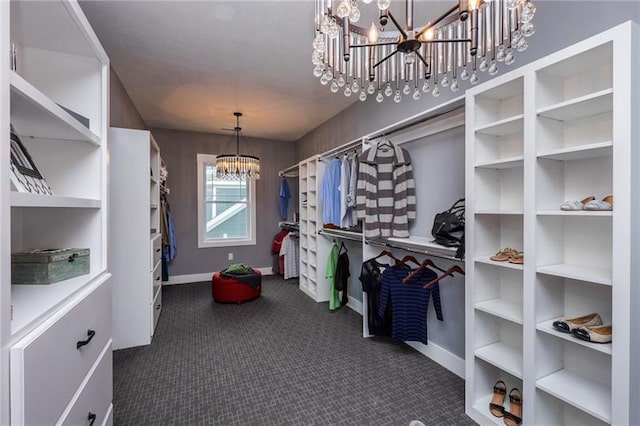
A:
(230, 290)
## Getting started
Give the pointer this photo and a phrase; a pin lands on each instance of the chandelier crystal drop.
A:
(237, 166)
(472, 37)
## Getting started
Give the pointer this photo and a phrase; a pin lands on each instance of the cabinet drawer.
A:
(156, 308)
(48, 365)
(93, 399)
(157, 281)
(156, 251)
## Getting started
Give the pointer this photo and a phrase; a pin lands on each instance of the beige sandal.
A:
(504, 254)
(518, 259)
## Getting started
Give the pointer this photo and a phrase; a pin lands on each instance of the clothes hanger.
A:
(426, 263)
(448, 273)
(388, 254)
(406, 259)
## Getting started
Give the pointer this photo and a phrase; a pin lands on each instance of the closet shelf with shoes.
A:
(576, 146)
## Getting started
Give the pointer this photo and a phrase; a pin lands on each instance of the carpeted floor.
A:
(279, 360)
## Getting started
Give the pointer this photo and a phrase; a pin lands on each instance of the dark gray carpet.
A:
(279, 360)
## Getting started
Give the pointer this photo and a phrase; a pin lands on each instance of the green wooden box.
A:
(48, 266)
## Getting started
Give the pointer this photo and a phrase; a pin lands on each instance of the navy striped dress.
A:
(409, 303)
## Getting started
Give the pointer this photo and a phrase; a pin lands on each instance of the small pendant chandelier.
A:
(237, 166)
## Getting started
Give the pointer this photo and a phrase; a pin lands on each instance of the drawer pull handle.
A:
(158, 307)
(157, 250)
(157, 278)
(91, 418)
(90, 334)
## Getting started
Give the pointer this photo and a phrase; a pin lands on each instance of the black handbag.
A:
(448, 227)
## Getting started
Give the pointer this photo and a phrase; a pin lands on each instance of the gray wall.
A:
(179, 149)
(559, 24)
(122, 111)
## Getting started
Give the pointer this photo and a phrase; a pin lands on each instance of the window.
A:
(226, 208)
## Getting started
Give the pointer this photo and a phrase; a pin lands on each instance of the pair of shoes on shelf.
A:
(513, 417)
(589, 203)
(510, 255)
(587, 327)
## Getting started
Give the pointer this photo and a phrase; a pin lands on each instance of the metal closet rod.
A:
(413, 250)
(289, 169)
(356, 144)
(337, 235)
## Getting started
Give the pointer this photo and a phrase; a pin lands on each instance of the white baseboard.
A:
(448, 360)
(206, 276)
(355, 304)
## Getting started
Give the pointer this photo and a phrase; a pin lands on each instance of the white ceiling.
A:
(188, 65)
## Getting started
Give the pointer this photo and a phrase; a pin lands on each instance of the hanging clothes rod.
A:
(342, 149)
(413, 250)
(291, 171)
(345, 235)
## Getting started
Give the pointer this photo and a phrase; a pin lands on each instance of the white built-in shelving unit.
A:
(135, 249)
(312, 262)
(561, 128)
(44, 377)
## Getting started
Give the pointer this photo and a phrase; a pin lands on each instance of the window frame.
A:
(203, 241)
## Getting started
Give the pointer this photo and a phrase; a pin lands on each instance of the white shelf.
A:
(422, 244)
(502, 308)
(582, 213)
(34, 114)
(578, 272)
(503, 356)
(503, 127)
(21, 199)
(510, 212)
(503, 163)
(579, 152)
(505, 264)
(32, 302)
(579, 391)
(547, 327)
(581, 107)
(482, 406)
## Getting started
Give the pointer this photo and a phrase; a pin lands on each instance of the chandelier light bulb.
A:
(410, 58)
(493, 68)
(515, 37)
(500, 55)
(528, 29)
(324, 81)
(333, 29)
(334, 86)
(436, 92)
(354, 13)
(355, 87)
(327, 75)
(445, 81)
(317, 71)
(406, 89)
(454, 85)
(512, 4)
(363, 96)
(464, 74)
(416, 95)
(341, 81)
(474, 78)
(373, 33)
(388, 91)
(425, 86)
(384, 4)
(397, 98)
(428, 35)
(528, 12)
(484, 65)
(522, 45)
(371, 89)
(347, 91)
(379, 97)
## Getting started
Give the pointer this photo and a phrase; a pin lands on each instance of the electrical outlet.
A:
(230, 256)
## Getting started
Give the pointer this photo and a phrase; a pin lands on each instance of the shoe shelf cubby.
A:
(498, 292)
(554, 411)
(561, 128)
(567, 298)
(575, 374)
(486, 375)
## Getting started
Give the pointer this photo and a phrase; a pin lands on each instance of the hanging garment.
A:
(409, 302)
(371, 279)
(283, 199)
(343, 188)
(291, 251)
(330, 274)
(329, 194)
(351, 191)
(342, 274)
(386, 195)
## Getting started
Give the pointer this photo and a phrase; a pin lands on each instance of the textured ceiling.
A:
(188, 65)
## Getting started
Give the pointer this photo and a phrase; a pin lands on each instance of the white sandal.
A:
(600, 205)
(574, 205)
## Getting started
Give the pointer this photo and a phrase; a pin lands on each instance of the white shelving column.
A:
(562, 128)
(61, 67)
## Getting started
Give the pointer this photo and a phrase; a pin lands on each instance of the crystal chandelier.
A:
(237, 166)
(472, 36)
